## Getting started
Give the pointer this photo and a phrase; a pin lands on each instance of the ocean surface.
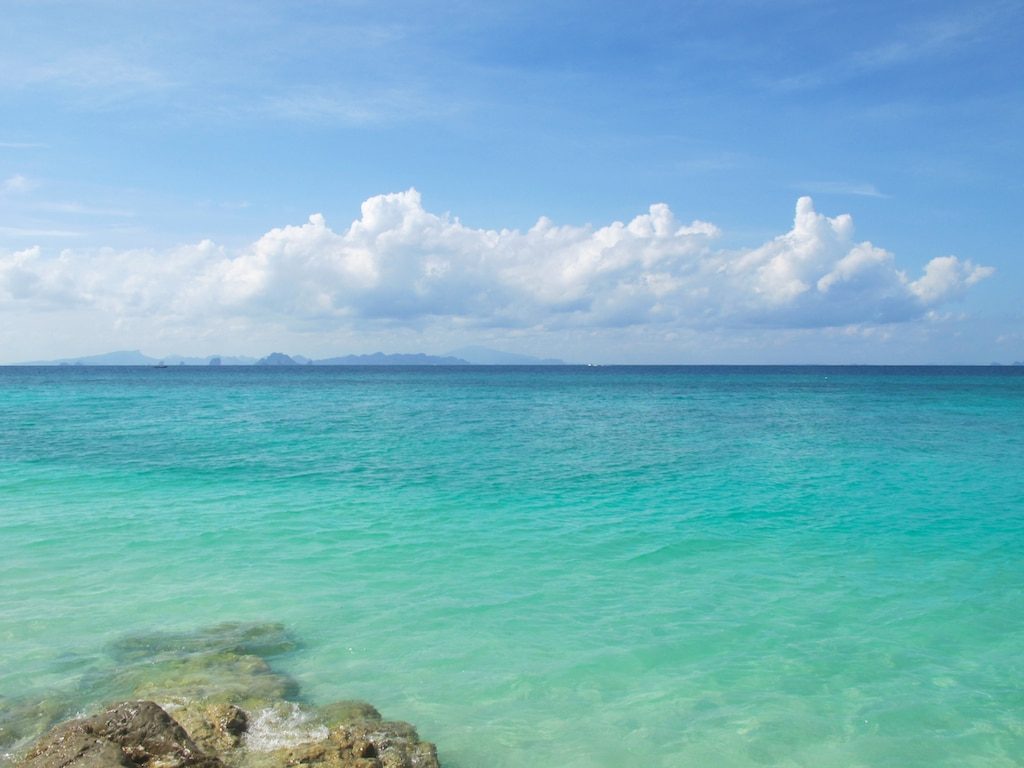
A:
(593, 567)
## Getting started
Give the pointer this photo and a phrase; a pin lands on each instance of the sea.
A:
(600, 567)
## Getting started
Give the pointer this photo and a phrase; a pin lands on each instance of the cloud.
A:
(86, 210)
(16, 184)
(400, 265)
(933, 38)
(945, 277)
(858, 189)
(353, 106)
(37, 232)
(95, 69)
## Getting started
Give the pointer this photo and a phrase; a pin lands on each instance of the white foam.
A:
(285, 725)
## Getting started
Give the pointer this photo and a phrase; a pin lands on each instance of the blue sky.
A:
(160, 162)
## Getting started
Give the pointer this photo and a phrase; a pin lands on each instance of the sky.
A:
(647, 182)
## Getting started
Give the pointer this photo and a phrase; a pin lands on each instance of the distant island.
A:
(466, 356)
(378, 358)
(135, 357)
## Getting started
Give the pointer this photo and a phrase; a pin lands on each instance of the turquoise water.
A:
(546, 567)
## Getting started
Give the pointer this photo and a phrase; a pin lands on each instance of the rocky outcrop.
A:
(366, 744)
(216, 728)
(205, 699)
(142, 733)
(128, 734)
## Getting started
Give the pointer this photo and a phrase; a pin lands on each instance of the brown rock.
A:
(348, 712)
(71, 744)
(215, 728)
(133, 733)
(359, 744)
(139, 734)
(395, 744)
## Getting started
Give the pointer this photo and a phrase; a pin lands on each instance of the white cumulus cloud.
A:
(399, 265)
(947, 276)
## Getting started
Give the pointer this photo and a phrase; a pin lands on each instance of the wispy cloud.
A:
(93, 80)
(932, 38)
(857, 189)
(17, 184)
(709, 163)
(333, 105)
(22, 145)
(89, 70)
(33, 232)
(85, 210)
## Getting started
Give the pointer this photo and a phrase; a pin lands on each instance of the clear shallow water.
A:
(546, 567)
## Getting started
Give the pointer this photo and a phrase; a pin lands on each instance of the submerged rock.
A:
(246, 680)
(348, 712)
(23, 719)
(225, 663)
(141, 733)
(239, 638)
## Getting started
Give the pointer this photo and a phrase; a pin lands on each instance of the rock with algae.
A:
(240, 638)
(23, 718)
(220, 705)
(129, 734)
(215, 727)
(225, 663)
(141, 733)
(247, 680)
